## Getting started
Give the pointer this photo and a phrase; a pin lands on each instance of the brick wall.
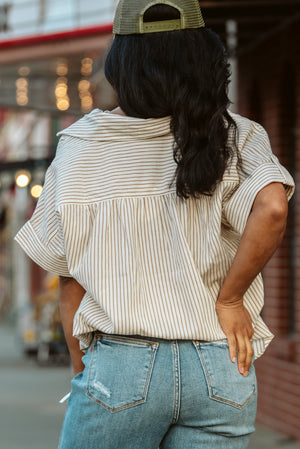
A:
(269, 93)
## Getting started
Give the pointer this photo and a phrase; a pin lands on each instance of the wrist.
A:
(230, 301)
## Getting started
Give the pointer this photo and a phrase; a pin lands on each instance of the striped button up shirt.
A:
(151, 263)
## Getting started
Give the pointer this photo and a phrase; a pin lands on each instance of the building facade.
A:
(269, 93)
(51, 57)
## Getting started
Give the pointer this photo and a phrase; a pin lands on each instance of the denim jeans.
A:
(149, 393)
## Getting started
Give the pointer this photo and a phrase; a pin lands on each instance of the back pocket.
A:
(120, 371)
(225, 383)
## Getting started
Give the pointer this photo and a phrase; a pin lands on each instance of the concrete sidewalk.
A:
(268, 439)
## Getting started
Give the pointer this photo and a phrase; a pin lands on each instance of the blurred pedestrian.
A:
(158, 217)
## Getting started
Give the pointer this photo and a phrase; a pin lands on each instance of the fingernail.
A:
(233, 359)
(242, 369)
(246, 373)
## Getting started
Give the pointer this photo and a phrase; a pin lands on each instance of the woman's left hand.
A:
(236, 323)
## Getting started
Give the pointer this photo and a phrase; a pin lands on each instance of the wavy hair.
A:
(183, 74)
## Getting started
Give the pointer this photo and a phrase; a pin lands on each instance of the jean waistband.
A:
(98, 334)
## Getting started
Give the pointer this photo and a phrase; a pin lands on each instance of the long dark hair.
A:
(183, 74)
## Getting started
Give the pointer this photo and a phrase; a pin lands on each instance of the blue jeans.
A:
(149, 393)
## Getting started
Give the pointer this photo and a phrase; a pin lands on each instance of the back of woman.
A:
(158, 217)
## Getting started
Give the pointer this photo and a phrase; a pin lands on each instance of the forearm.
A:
(263, 233)
(70, 295)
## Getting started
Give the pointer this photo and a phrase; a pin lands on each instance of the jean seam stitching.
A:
(232, 403)
(197, 346)
(90, 369)
(175, 350)
(151, 364)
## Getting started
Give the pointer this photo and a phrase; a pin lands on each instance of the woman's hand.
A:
(78, 365)
(236, 323)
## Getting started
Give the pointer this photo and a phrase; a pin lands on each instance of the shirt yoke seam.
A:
(114, 198)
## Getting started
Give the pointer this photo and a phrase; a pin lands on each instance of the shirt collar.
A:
(104, 125)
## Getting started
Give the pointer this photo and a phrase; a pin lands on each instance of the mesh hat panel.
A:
(129, 16)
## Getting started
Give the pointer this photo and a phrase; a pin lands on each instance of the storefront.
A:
(51, 58)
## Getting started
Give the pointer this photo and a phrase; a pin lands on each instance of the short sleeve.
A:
(258, 168)
(41, 237)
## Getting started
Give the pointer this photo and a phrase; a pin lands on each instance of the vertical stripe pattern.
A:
(151, 263)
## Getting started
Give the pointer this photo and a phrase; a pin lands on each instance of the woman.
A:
(158, 217)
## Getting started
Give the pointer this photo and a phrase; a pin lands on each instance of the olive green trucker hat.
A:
(130, 14)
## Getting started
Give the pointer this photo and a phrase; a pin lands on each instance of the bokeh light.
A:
(85, 95)
(63, 104)
(22, 91)
(22, 178)
(62, 69)
(86, 66)
(36, 190)
(61, 93)
(24, 71)
(22, 83)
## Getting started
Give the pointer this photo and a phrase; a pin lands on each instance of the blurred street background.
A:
(52, 55)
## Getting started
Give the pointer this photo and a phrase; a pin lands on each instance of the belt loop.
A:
(96, 334)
